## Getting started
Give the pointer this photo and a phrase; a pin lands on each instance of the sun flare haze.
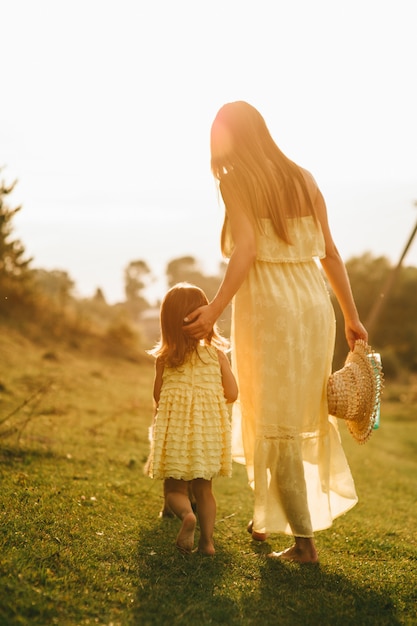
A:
(106, 123)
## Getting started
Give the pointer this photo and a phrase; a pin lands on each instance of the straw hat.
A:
(354, 392)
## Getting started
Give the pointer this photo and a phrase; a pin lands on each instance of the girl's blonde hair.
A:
(252, 171)
(174, 344)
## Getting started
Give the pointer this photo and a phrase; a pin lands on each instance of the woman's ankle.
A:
(306, 546)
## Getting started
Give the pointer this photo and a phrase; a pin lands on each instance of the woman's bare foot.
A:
(296, 554)
(255, 535)
(185, 538)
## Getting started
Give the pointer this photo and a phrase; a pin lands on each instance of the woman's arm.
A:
(200, 322)
(338, 278)
(228, 380)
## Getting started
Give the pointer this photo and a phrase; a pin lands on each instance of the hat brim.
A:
(354, 392)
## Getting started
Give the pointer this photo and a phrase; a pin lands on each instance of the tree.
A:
(396, 328)
(99, 297)
(183, 269)
(187, 269)
(13, 263)
(55, 284)
(395, 332)
(137, 277)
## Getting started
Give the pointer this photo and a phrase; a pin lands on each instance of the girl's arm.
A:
(200, 322)
(157, 385)
(338, 278)
(228, 380)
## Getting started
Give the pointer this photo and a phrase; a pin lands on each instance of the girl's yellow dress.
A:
(191, 435)
(283, 332)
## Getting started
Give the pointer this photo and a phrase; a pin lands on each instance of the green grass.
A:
(81, 541)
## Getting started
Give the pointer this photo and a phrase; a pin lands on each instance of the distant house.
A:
(149, 321)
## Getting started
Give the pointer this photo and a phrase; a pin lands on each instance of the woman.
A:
(283, 331)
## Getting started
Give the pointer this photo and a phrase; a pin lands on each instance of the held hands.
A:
(199, 323)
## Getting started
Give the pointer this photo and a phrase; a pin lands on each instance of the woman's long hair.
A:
(254, 173)
(174, 344)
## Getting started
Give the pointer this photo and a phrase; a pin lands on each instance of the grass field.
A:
(81, 542)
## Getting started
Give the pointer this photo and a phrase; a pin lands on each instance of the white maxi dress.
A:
(283, 332)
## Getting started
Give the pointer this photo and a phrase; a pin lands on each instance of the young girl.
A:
(191, 434)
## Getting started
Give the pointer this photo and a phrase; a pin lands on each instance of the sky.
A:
(106, 110)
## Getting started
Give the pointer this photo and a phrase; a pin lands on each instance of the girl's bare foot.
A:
(166, 512)
(185, 538)
(296, 555)
(206, 548)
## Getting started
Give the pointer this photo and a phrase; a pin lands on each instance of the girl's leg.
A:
(166, 511)
(206, 510)
(176, 497)
(191, 496)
